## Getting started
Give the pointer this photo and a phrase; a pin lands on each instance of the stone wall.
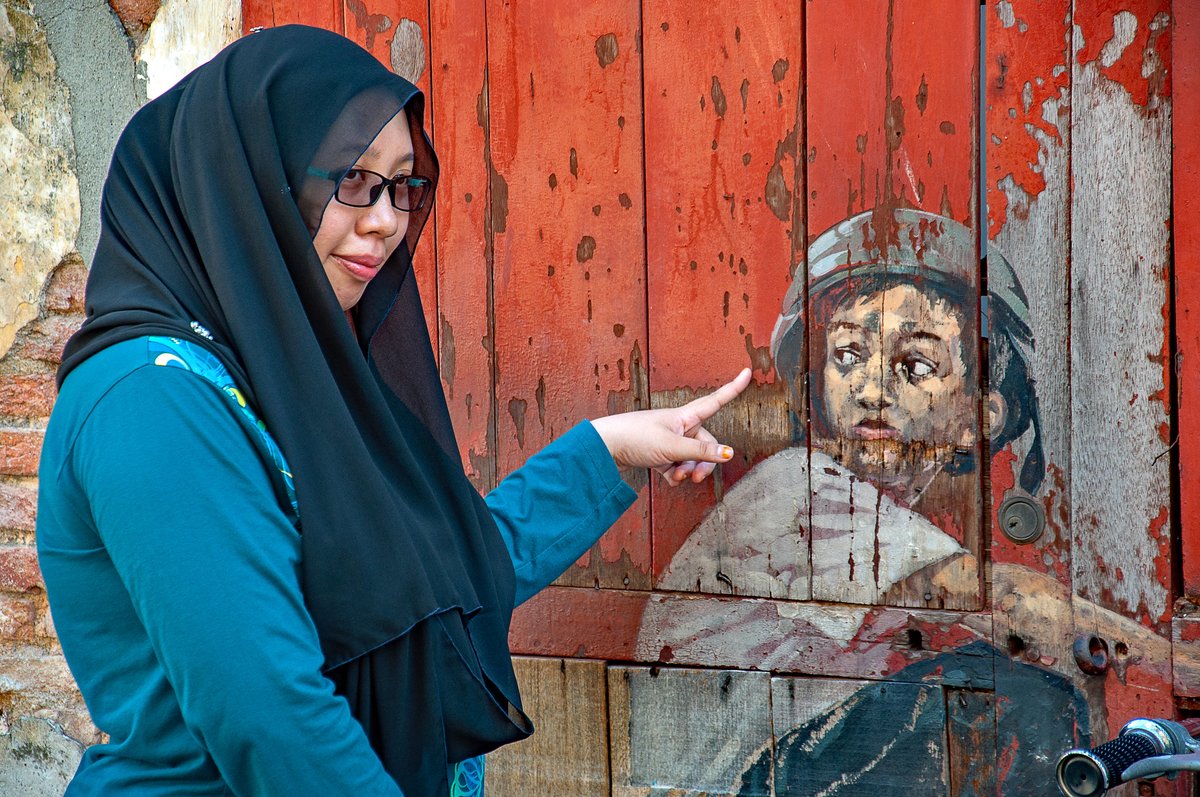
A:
(71, 74)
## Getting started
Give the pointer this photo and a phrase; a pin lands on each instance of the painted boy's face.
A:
(896, 393)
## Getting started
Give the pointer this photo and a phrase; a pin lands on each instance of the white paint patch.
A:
(1124, 28)
(185, 34)
(408, 51)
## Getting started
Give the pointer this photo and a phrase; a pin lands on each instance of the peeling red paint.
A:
(1160, 535)
(1146, 692)
(1050, 553)
(1143, 67)
(1026, 67)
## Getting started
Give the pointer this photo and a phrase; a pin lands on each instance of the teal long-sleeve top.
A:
(166, 541)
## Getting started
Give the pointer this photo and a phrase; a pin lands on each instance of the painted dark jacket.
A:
(886, 738)
(167, 538)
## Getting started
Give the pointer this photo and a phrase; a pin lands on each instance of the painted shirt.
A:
(167, 538)
(863, 542)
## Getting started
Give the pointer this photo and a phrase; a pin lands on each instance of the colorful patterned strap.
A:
(468, 778)
(177, 353)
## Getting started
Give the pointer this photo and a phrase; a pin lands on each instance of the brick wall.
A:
(64, 106)
(41, 712)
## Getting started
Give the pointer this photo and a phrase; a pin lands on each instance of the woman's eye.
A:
(354, 176)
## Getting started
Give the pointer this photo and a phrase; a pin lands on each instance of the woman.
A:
(267, 570)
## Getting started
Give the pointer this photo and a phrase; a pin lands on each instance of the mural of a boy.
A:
(891, 362)
(892, 367)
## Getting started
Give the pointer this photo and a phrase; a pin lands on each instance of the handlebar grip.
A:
(1090, 773)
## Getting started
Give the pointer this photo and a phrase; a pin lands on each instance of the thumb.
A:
(686, 449)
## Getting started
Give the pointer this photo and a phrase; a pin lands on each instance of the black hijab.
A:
(207, 221)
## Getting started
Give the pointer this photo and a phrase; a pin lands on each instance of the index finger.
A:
(706, 406)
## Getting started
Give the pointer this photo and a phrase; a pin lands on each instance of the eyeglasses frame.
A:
(387, 185)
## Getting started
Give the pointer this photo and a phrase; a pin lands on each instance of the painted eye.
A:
(847, 356)
(915, 369)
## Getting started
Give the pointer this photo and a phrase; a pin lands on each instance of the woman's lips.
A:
(874, 429)
(364, 268)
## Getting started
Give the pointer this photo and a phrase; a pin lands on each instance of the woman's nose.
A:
(383, 219)
(874, 389)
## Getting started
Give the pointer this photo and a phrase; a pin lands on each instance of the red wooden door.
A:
(943, 553)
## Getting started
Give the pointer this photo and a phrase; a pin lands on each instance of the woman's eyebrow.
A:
(373, 153)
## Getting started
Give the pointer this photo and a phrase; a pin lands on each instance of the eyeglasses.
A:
(361, 188)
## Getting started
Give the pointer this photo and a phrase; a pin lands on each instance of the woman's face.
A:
(354, 243)
(896, 392)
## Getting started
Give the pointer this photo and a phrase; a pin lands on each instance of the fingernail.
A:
(726, 452)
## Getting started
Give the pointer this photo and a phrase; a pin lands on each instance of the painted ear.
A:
(997, 413)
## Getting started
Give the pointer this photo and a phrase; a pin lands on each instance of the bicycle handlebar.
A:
(1144, 748)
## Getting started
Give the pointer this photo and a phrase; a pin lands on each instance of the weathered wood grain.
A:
(567, 225)
(857, 738)
(257, 14)
(318, 13)
(585, 623)
(971, 742)
(1027, 86)
(1120, 374)
(887, 122)
(889, 128)
(462, 229)
(1045, 701)
(687, 732)
(724, 219)
(1028, 187)
(1185, 227)
(1185, 655)
(568, 753)
(394, 31)
(780, 636)
(1138, 680)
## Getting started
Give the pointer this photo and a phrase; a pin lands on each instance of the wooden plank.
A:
(1185, 226)
(396, 32)
(318, 13)
(971, 742)
(1041, 709)
(858, 738)
(724, 228)
(817, 639)
(1185, 656)
(1120, 369)
(568, 753)
(462, 229)
(1028, 185)
(893, 131)
(1138, 680)
(257, 14)
(743, 633)
(687, 732)
(1042, 705)
(568, 238)
(585, 623)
